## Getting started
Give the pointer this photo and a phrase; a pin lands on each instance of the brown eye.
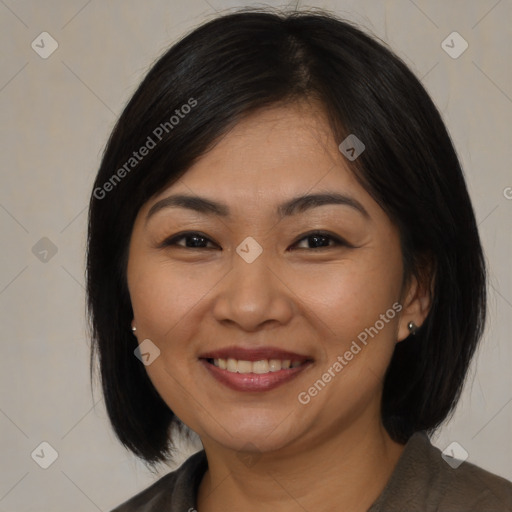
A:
(320, 239)
(193, 240)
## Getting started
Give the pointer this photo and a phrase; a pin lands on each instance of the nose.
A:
(253, 295)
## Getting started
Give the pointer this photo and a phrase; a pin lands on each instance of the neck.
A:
(349, 469)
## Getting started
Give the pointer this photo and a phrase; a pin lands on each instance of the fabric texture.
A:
(422, 481)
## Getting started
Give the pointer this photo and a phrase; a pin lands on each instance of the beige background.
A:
(56, 116)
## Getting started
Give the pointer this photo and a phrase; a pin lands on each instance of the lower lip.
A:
(253, 381)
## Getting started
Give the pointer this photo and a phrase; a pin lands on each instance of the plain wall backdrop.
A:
(57, 113)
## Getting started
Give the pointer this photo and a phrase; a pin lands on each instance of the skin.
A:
(312, 301)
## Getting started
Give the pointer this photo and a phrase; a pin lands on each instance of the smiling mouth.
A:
(258, 367)
(254, 369)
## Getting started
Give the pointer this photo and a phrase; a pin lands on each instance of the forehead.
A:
(285, 150)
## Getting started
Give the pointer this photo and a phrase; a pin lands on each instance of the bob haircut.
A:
(227, 69)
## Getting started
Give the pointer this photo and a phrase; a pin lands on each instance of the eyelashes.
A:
(313, 239)
(319, 236)
(189, 235)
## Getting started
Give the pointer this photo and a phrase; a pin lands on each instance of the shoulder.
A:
(425, 481)
(172, 492)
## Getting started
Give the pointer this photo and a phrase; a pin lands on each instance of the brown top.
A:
(422, 481)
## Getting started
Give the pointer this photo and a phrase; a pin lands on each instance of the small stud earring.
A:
(412, 327)
(134, 328)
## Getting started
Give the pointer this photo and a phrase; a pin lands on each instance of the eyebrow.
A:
(291, 207)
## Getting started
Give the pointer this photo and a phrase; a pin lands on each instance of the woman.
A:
(283, 256)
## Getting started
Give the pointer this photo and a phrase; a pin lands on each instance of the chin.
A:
(255, 431)
(254, 442)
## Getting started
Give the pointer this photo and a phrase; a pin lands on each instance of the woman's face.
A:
(232, 277)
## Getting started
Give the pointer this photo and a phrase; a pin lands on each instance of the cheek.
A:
(165, 299)
(349, 296)
(357, 305)
(163, 295)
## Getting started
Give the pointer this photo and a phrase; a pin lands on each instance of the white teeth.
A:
(274, 365)
(262, 366)
(244, 367)
(232, 365)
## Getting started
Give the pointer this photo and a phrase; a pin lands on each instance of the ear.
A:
(416, 301)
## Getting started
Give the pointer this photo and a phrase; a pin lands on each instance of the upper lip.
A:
(253, 354)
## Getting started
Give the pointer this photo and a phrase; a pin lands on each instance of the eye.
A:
(193, 240)
(320, 239)
(196, 240)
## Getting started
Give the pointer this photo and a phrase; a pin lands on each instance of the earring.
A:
(134, 328)
(412, 327)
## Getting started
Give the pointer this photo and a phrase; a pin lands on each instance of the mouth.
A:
(260, 367)
(254, 369)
